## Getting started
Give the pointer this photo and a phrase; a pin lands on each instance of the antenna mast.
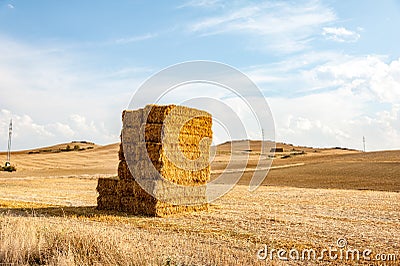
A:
(262, 134)
(9, 143)
(364, 142)
(262, 142)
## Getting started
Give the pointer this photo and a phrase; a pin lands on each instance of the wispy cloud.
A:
(283, 26)
(133, 39)
(369, 77)
(202, 3)
(10, 6)
(340, 34)
(293, 76)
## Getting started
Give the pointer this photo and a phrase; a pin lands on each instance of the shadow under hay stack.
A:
(164, 162)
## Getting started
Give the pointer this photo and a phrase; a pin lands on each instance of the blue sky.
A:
(330, 70)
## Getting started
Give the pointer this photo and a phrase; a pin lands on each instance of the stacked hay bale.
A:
(107, 188)
(164, 162)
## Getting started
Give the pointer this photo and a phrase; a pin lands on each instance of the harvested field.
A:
(231, 232)
(306, 206)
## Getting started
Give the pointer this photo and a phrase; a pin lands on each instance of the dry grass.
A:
(99, 160)
(48, 241)
(72, 242)
(230, 233)
(53, 220)
(59, 191)
(328, 168)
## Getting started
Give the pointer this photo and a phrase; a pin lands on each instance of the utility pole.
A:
(262, 142)
(262, 134)
(9, 144)
(364, 142)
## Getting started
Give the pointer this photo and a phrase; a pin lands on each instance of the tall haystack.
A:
(164, 162)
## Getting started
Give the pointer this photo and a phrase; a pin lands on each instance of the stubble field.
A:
(308, 201)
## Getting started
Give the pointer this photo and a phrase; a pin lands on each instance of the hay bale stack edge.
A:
(163, 162)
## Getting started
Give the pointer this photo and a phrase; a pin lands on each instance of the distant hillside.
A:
(295, 166)
(255, 146)
(238, 145)
(62, 147)
(65, 147)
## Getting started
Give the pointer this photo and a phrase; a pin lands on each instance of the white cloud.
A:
(334, 100)
(320, 98)
(313, 120)
(369, 77)
(28, 133)
(284, 26)
(323, 99)
(340, 34)
(10, 6)
(43, 87)
(62, 129)
(135, 38)
(23, 128)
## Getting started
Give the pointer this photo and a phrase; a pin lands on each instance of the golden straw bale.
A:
(132, 134)
(130, 187)
(157, 152)
(121, 155)
(159, 133)
(166, 169)
(163, 190)
(107, 186)
(132, 118)
(132, 205)
(180, 110)
(188, 124)
(157, 114)
(167, 149)
(108, 202)
(153, 207)
(123, 170)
